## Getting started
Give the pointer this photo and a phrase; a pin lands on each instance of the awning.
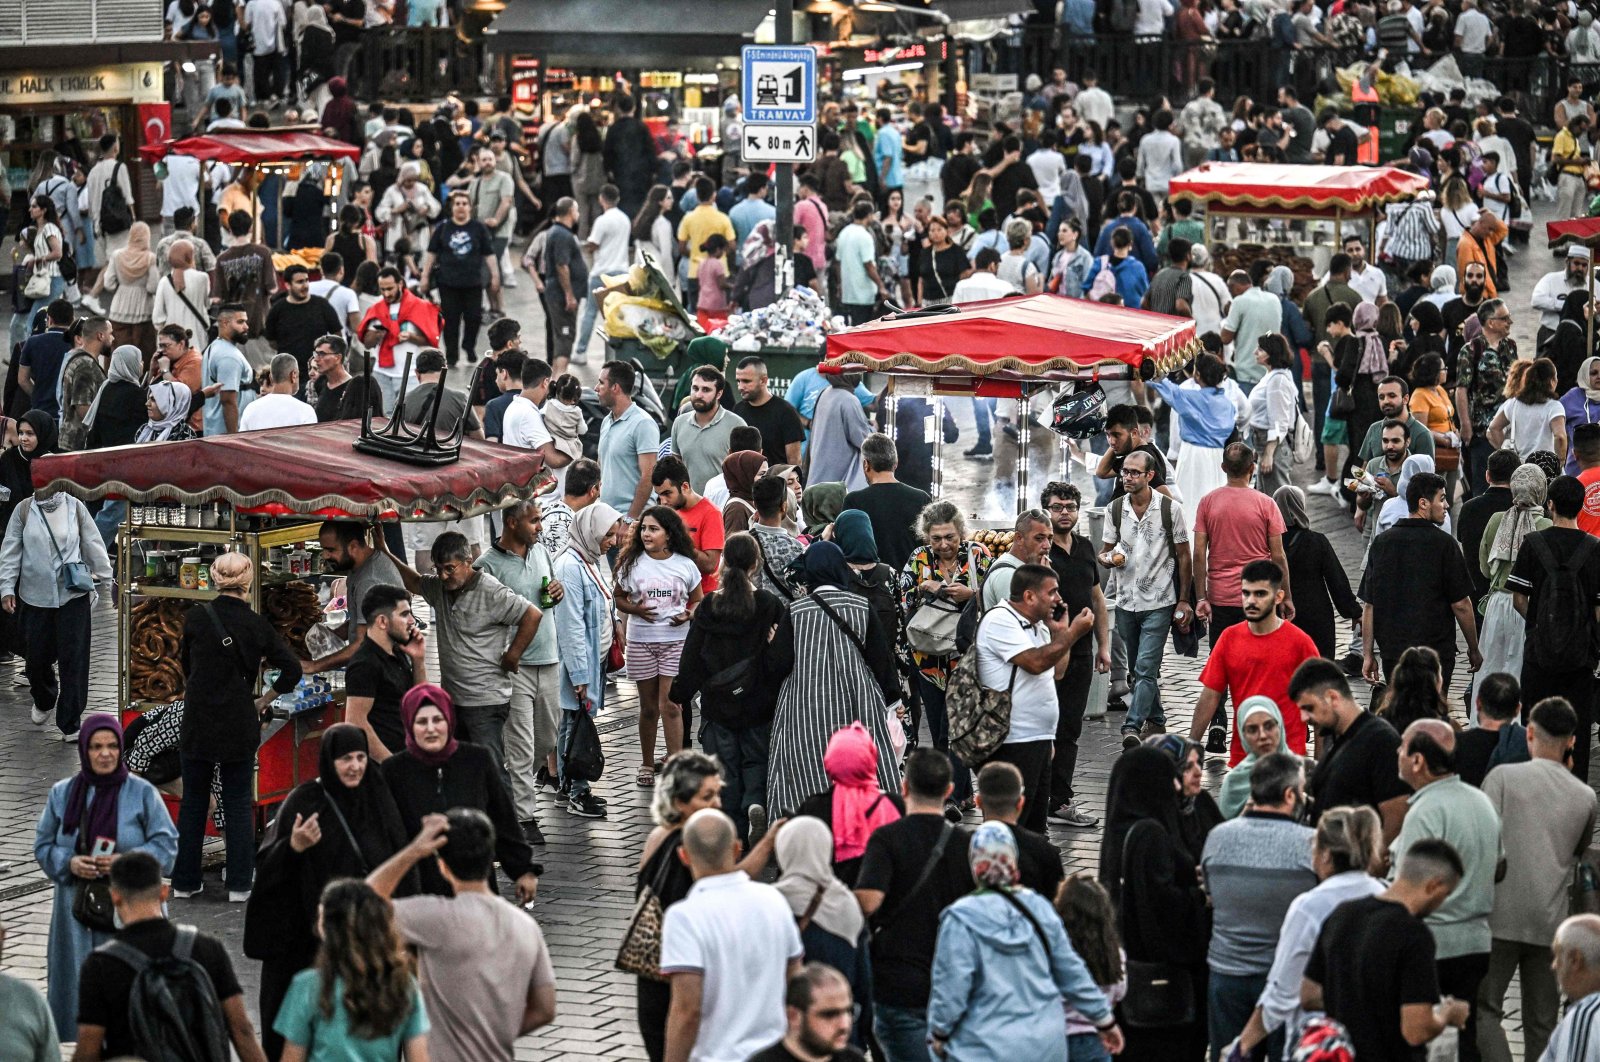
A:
(1574, 230)
(311, 471)
(252, 146)
(619, 34)
(1029, 337)
(1262, 184)
(963, 10)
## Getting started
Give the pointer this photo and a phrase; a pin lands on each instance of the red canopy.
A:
(1574, 230)
(312, 470)
(1030, 337)
(1261, 184)
(252, 146)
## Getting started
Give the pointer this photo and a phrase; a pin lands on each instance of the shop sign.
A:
(134, 82)
(661, 79)
(994, 82)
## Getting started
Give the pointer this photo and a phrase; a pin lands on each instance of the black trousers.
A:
(56, 658)
(463, 316)
(1460, 977)
(1578, 688)
(1072, 694)
(1032, 758)
(276, 975)
(266, 70)
(651, 1003)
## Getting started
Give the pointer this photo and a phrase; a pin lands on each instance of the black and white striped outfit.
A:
(828, 686)
(1577, 1038)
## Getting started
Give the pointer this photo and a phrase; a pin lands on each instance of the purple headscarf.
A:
(100, 820)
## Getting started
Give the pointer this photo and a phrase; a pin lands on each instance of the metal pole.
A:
(1589, 343)
(938, 446)
(783, 267)
(1023, 432)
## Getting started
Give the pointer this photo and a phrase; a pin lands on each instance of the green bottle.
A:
(545, 600)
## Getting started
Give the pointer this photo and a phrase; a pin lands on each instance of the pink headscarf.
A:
(859, 806)
(1364, 322)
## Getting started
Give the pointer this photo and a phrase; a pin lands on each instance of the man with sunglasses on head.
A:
(336, 394)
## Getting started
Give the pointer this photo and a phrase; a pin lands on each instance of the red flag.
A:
(155, 122)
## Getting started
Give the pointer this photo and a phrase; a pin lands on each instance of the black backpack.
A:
(173, 1010)
(1124, 15)
(116, 216)
(1561, 635)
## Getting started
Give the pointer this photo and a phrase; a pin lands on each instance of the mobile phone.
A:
(103, 846)
(1058, 613)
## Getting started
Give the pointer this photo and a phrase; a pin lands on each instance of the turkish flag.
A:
(155, 122)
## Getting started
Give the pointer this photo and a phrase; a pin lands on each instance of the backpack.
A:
(1124, 15)
(1561, 635)
(116, 216)
(1105, 281)
(173, 1010)
(979, 718)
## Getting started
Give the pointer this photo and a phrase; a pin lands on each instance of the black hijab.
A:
(369, 808)
(1144, 785)
(16, 467)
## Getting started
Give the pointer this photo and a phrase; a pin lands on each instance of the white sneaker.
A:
(184, 894)
(1325, 486)
(239, 897)
(39, 718)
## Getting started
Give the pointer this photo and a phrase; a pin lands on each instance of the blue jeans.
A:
(939, 728)
(982, 415)
(569, 719)
(586, 317)
(902, 1032)
(238, 826)
(743, 755)
(1145, 635)
(1086, 1047)
(108, 519)
(1230, 999)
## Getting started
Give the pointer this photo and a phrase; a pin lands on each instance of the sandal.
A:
(645, 777)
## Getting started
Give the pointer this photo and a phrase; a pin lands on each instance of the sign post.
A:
(779, 88)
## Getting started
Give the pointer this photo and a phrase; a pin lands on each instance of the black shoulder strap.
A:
(1022, 909)
(783, 586)
(228, 643)
(849, 632)
(349, 835)
(126, 953)
(946, 830)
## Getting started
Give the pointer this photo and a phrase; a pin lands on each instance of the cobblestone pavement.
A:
(586, 894)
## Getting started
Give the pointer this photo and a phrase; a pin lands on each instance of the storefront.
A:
(64, 99)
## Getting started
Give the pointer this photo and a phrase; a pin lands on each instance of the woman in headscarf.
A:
(1315, 570)
(436, 772)
(341, 824)
(754, 287)
(223, 645)
(1397, 508)
(1198, 813)
(872, 579)
(820, 505)
(1441, 287)
(167, 413)
(183, 295)
(339, 115)
(1360, 361)
(942, 574)
(101, 800)
(118, 409)
(1280, 282)
(586, 628)
(1503, 630)
(740, 470)
(1582, 403)
(33, 434)
(315, 61)
(1003, 967)
(1163, 914)
(853, 806)
(828, 653)
(1206, 419)
(832, 927)
(1260, 726)
(1569, 346)
(132, 277)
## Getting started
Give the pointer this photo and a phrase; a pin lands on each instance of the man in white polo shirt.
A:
(1020, 642)
(729, 948)
(523, 423)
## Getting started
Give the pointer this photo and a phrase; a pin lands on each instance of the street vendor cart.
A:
(1294, 215)
(262, 493)
(1013, 348)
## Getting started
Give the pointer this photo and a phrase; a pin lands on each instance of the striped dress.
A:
(829, 686)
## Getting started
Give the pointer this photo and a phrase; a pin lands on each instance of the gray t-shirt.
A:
(451, 409)
(379, 570)
(1255, 866)
(703, 449)
(837, 430)
(474, 626)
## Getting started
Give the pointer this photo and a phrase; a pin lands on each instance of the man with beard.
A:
(1384, 468)
(1550, 294)
(1456, 312)
(346, 551)
(1393, 397)
(388, 661)
(820, 1011)
(701, 433)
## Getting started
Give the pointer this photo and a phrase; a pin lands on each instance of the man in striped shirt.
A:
(1577, 948)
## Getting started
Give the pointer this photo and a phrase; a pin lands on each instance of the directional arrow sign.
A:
(779, 143)
(780, 84)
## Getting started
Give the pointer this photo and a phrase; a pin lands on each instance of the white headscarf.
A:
(1396, 508)
(172, 400)
(127, 366)
(805, 852)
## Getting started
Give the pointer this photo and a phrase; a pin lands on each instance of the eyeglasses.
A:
(1134, 472)
(1062, 508)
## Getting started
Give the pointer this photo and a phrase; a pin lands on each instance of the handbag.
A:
(640, 951)
(91, 899)
(931, 630)
(38, 285)
(1343, 403)
(75, 576)
(1160, 994)
(616, 659)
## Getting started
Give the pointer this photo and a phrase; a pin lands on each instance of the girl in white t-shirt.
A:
(658, 586)
(1535, 418)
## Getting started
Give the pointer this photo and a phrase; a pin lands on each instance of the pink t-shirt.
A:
(1238, 523)
(711, 275)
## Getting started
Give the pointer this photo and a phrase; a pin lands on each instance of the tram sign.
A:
(779, 85)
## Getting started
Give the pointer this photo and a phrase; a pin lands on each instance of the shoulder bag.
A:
(932, 627)
(91, 897)
(640, 952)
(75, 577)
(1160, 994)
(979, 718)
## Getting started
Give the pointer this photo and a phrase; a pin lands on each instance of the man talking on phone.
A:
(1020, 642)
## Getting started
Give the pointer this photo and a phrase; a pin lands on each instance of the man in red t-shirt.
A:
(1256, 658)
(1233, 526)
(703, 520)
(1586, 449)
